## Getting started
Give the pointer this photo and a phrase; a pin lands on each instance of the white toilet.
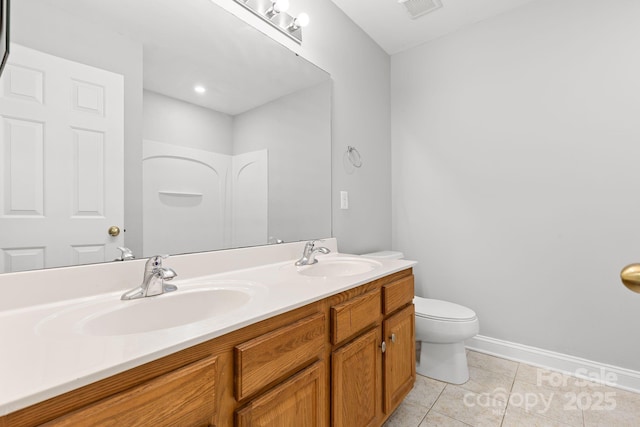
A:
(441, 328)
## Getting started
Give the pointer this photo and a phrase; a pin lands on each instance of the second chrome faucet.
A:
(310, 252)
(153, 280)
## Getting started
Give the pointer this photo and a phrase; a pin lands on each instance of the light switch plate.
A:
(344, 200)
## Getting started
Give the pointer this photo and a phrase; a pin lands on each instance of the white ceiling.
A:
(197, 45)
(389, 24)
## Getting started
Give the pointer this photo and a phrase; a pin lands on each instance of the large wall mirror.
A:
(162, 126)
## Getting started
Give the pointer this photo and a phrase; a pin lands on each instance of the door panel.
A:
(61, 154)
(356, 382)
(399, 358)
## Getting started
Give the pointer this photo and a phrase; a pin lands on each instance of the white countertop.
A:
(39, 361)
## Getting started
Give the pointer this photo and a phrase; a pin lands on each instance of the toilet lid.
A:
(442, 310)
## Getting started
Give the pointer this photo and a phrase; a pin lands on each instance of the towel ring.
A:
(354, 156)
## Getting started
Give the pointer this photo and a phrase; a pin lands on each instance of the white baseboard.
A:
(625, 379)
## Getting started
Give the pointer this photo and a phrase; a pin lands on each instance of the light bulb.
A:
(302, 20)
(280, 6)
(277, 6)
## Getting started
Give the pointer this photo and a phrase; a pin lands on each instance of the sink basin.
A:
(164, 311)
(339, 267)
(110, 316)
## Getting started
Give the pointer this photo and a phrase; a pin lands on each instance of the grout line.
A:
(432, 405)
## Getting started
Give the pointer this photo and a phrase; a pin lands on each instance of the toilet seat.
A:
(442, 310)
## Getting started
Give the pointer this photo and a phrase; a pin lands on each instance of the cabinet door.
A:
(183, 397)
(357, 382)
(399, 358)
(298, 402)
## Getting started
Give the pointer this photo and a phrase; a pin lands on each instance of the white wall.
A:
(176, 122)
(295, 130)
(516, 148)
(361, 117)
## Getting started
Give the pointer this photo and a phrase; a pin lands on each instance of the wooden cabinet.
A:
(319, 365)
(373, 372)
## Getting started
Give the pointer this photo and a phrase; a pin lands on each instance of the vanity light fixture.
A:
(275, 13)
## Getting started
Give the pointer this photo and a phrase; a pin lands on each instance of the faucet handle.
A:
(126, 254)
(154, 262)
(312, 243)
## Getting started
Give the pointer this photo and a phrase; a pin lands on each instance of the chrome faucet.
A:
(310, 252)
(153, 280)
(126, 254)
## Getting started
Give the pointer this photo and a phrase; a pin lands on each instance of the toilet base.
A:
(443, 362)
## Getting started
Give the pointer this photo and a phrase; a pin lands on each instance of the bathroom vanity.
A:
(321, 351)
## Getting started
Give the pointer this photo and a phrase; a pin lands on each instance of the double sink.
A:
(193, 302)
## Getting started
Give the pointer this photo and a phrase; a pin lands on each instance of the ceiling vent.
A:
(418, 8)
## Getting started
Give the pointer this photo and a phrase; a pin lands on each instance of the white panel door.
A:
(249, 199)
(61, 162)
(183, 202)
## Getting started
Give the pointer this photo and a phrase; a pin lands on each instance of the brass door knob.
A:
(114, 231)
(630, 276)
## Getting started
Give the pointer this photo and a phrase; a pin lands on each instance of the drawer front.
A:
(397, 294)
(278, 354)
(183, 397)
(353, 316)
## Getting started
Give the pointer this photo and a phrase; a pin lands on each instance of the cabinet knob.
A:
(383, 346)
(393, 337)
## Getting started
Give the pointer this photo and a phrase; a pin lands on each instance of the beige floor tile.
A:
(545, 402)
(435, 419)
(548, 379)
(482, 381)
(608, 406)
(408, 414)
(516, 417)
(493, 364)
(622, 395)
(468, 407)
(618, 418)
(425, 391)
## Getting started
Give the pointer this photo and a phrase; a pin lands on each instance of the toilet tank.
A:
(385, 255)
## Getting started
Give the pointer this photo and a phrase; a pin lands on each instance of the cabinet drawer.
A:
(397, 294)
(183, 397)
(299, 401)
(278, 354)
(353, 316)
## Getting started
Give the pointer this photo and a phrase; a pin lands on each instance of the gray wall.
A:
(515, 184)
(172, 121)
(295, 130)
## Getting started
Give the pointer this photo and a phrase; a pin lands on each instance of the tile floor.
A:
(503, 393)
